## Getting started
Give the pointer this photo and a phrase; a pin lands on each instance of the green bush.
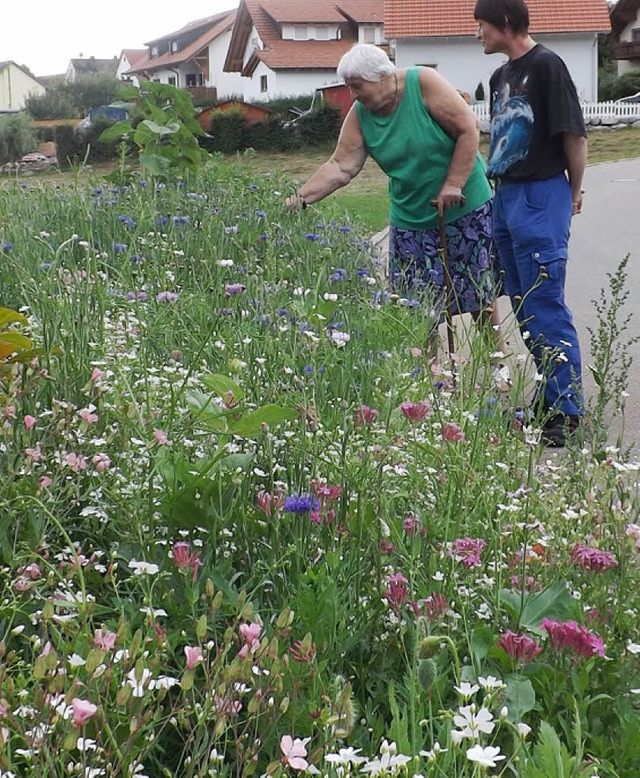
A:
(626, 84)
(75, 145)
(69, 100)
(17, 137)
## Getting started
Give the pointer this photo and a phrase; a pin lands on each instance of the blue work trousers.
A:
(531, 223)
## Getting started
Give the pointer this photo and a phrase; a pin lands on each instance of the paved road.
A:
(606, 231)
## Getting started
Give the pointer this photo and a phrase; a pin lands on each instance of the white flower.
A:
(523, 729)
(346, 756)
(433, 753)
(143, 568)
(633, 648)
(532, 435)
(489, 683)
(138, 685)
(472, 723)
(487, 757)
(466, 690)
(389, 761)
(340, 339)
(75, 660)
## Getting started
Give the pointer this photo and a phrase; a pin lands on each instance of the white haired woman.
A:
(424, 136)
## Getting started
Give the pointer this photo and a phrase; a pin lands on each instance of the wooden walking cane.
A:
(448, 283)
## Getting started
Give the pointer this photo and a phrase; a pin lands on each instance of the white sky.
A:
(45, 34)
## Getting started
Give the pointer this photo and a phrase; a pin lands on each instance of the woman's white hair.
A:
(367, 62)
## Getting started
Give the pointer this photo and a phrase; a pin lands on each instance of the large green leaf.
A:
(251, 424)
(116, 131)
(7, 316)
(482, 641)
(155, 164)
(554, 602)
(207, 411)
(222, 385)
(519, 697)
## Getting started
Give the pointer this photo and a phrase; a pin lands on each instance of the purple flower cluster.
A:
(569, 634)
(593, 558)
(468, 551)
(301, 503)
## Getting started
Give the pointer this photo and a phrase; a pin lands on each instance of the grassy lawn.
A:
(367, 196)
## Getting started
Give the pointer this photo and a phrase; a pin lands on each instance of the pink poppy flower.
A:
(294, 752)
(194, 655)
(83, 710)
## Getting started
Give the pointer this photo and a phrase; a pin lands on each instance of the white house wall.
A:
(227, 84)
(15, 87)
(463, 62)
(626, 36)
(284, 83)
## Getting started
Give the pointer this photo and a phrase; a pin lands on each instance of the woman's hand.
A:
(295, 203)
(448, 196)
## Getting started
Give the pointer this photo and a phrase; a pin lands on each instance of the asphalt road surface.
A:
(607, 231)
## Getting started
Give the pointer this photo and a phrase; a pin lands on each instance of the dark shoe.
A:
(558, 428)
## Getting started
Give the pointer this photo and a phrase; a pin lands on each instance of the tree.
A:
(69, 100)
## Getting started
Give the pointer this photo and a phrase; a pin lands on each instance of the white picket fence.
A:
(622, 111)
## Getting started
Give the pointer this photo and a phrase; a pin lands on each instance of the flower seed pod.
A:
(429, 647)
(427, 674)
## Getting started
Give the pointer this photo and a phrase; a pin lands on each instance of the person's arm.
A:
(344, 164)
(451, 112)
(575, 150)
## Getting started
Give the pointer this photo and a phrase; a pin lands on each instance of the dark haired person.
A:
(537, 156)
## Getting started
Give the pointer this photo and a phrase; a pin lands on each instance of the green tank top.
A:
(415, 152)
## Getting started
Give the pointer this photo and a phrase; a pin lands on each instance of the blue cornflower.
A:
(120, 248)
(362, 271)
(345, 228)
(263, 236)
(161, 220)
(307, 370)
(312, 236)
(253, 187)
(6, 247)
(45, 266)
(339, 274)
(180, 219)
(135, 259)
(127, 221)
(301, 503)
(261, 214)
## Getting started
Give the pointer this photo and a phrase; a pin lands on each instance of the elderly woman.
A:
(424, 136)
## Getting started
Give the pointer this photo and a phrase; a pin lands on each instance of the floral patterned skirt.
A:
(415, 267)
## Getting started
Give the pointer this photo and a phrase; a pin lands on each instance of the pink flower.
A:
(104, 639)
(101, 462)
(9, 412)
(185, 560)
(29, 422)
(250, 633)
(468, 551)
(76, 462)
(569, 634)
(435, 605)
(227, 707)
(31, 571)
(88, 416)
(45, 482)
(593, 558)
(82, 711)
(452, 433)
(398, 590)
(415, 411)
(96, 374)
(364, 416)
(522, 648)
(267, 501)
(324, 492)
(294, 752)
(161, 437)
(416, 352)
(413, 527)
(34, 453)
(46, 650)
(194, 655)
(231, 289)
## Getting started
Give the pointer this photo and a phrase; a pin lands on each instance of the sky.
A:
(45, 34)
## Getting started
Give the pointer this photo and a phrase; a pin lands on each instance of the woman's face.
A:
(372, 94)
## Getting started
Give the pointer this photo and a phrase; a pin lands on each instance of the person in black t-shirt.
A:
(537, 157)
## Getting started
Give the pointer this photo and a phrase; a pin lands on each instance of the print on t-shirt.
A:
(511, 131)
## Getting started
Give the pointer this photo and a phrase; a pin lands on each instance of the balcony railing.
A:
(627, 50)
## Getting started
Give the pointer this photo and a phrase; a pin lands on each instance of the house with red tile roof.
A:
(129, 58)
(292, 47)
(192, 57)
(625, 23)
(441, 34)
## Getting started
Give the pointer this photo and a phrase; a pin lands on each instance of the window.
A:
(322, 33)
(195, 79)
(153, 51)
(174, 46)
(171, 80)
(368, 34)
(300, 33)
(263, 83)
(635, 35)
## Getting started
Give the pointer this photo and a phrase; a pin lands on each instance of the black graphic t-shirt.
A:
(533, 102)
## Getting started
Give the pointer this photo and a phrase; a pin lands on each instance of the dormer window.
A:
(322, 33)
(153, 52)
(300, 33)
(174, 46)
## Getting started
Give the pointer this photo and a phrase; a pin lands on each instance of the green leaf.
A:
(207, 411)
(222, 385)
(519, 697)
(155, 164)
(250, 424)
(554, 602)
(482, 641)
(7, 316)
(551, 756)
(117, 130)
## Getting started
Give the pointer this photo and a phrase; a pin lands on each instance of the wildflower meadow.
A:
(247, 527)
